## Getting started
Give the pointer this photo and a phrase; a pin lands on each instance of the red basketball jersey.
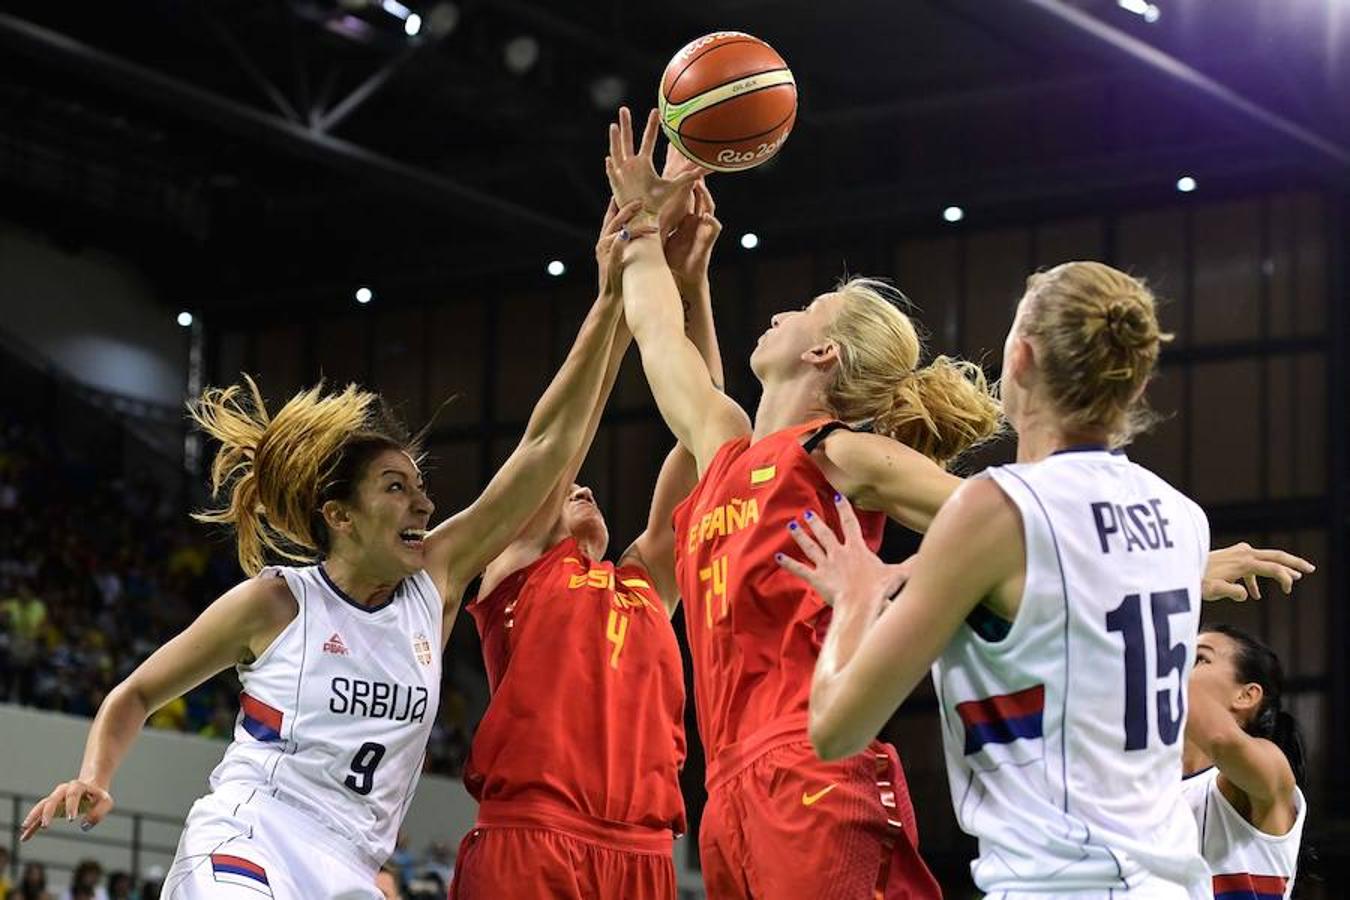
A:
(587, 705)
(755, 630)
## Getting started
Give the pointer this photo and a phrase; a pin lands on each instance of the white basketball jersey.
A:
(335, 714)
(1063, 729)
(1248, 864)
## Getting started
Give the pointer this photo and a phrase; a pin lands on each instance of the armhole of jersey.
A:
(1301, 809)
(297, 589)
(435, 603)
(820, 434)
(716, 469)
(1035, 527)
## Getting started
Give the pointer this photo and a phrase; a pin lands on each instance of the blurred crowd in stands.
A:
(405, 877)
(98, 569)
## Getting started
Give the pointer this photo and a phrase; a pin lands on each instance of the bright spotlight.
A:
(364, 295)
(556, 267)
(412, 25)
(749, 240)
(1186, 184)
(1149, 12)
(953, 214)
(185, 319)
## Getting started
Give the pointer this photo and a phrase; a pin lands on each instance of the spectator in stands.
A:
(84, 883)
(121, 886)
(4, 870)
(27, 616)
(440, 862)
(33, 884)
(97, 574)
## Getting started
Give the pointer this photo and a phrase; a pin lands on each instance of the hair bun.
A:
(1129, 324)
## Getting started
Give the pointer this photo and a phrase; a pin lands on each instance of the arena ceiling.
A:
(248, 152)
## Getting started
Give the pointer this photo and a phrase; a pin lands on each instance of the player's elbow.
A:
(1220, 739)
(828, 738)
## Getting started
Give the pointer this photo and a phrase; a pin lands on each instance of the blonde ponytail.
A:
(940, 410)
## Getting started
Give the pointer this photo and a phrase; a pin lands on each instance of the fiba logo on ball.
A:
(727, 101)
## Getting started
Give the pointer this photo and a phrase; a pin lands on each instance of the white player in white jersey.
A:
(1243, 760)
(340, 661)
(1057, 601)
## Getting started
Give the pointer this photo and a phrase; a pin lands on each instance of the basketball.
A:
(727, 101)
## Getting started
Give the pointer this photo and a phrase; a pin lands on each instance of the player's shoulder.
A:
(266, 598)
(863, 454)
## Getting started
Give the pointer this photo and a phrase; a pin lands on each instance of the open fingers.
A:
(625, 135)
(648, 148)
(1283, 574)
(801, 570)
(100, 808)
(1253, 587)
(615, 148)
(1288, 560)
(621, 216)
(611, 210)
(705, 197)
(32, 822)
(49, 806)
(848, 520)
(810, 546)
(823, 533)
(71, 806)
(1217, 589)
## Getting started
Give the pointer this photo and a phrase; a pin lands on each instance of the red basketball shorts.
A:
(788, 826)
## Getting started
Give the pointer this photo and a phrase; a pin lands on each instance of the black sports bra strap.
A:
(829, 428)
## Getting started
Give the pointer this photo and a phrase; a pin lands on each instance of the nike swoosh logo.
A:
(810, 799)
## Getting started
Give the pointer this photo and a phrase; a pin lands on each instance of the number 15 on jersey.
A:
(1128, 619)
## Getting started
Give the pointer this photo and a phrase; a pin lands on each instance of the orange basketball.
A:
(727, 101)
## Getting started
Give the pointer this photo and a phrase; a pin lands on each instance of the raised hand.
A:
(1230, 568)
(632, 175)
(842, 571)
(615, 231)
(689, 243)
(68, 800)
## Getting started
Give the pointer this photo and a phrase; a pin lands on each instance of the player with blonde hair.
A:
(1057, 601)
(339, 656)
(848, 407)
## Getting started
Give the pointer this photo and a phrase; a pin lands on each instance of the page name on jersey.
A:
(1137, 526)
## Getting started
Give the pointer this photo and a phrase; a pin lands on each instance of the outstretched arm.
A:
(235, 627)
(1232, 573)
(688, 251)
(701, 416)
(874, 654)
(530, 543)
(1255, 766)
(461, 547)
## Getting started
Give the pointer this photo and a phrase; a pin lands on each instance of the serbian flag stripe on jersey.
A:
(228, 869)
(260, 720)
(1241, 886)
(1003, 718)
